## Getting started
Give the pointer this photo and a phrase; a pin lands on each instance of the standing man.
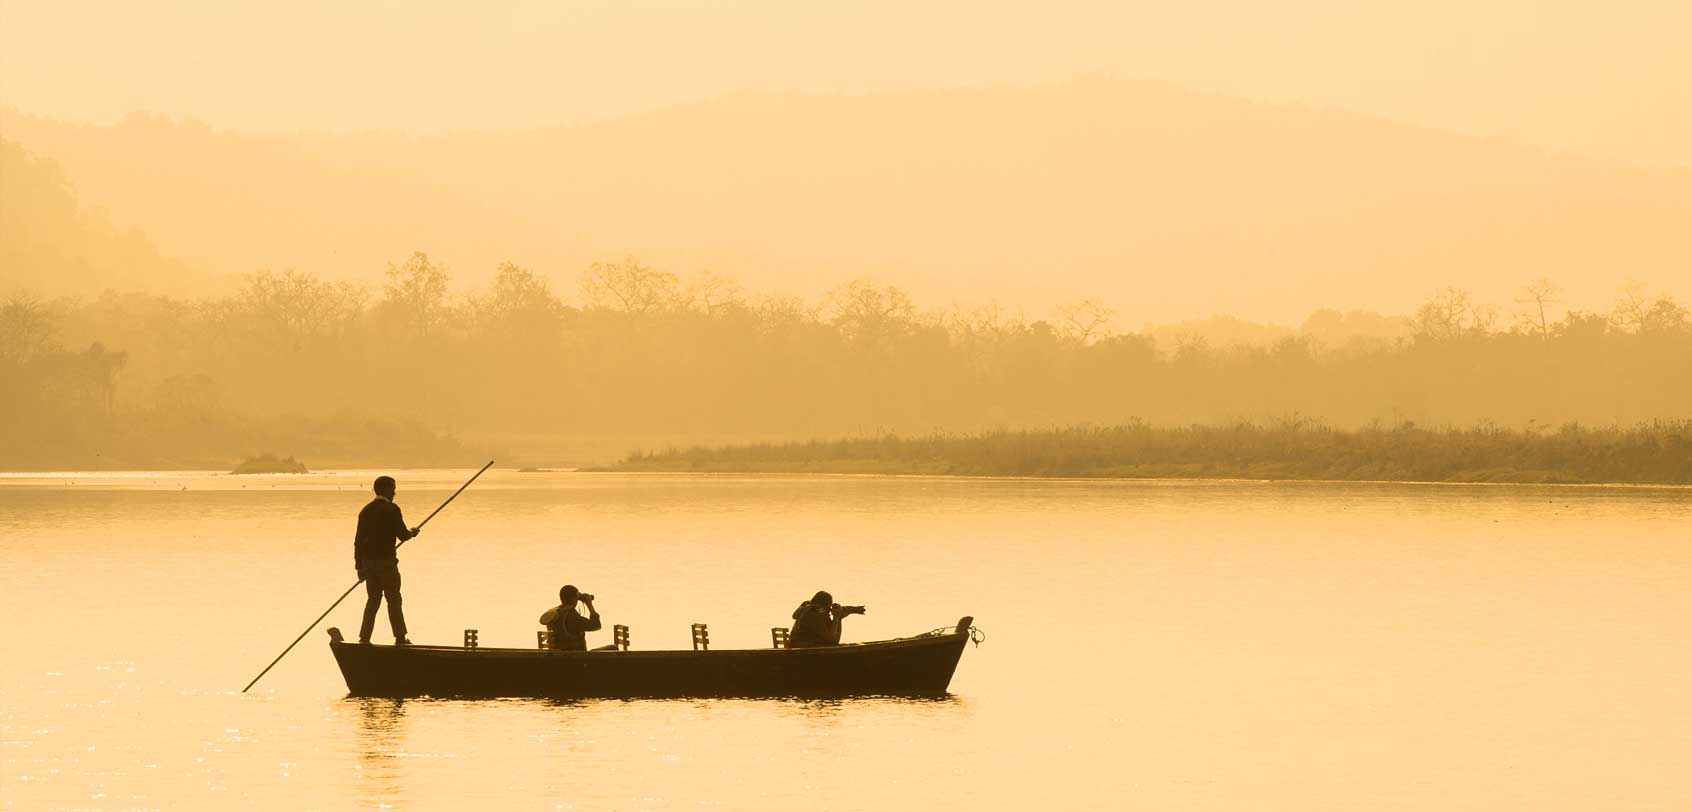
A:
(380, 529)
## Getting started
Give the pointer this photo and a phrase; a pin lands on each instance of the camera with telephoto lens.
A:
(848, 610)
(585, 598)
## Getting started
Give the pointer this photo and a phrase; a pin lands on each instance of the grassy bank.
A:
(1653, 453)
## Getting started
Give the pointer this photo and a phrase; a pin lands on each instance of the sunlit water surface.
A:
(1150, 645)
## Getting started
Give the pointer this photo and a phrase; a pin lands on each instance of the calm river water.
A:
(1158, 645)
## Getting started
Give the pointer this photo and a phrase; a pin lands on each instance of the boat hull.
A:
(915, 666)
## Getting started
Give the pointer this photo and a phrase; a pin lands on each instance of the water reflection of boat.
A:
(907, 666)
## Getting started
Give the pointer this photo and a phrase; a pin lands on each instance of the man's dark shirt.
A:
(381, 527)
(569, 629)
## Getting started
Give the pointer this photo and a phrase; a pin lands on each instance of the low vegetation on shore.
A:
(1652, 453)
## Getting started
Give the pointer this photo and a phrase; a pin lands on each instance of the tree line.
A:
(637, 356)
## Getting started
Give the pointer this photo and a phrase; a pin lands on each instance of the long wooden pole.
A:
(359, 581)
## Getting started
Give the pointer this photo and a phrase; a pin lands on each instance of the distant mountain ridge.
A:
(53, 243)
(1163, 203)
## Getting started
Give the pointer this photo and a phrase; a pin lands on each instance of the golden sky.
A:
(1612, 80)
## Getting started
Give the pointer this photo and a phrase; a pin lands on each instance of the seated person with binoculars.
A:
(569, 629)
(817, 622)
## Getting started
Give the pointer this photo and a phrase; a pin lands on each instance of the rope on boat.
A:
(976, 635)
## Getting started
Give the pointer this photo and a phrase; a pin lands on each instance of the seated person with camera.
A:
(817, 622)
(569, 629)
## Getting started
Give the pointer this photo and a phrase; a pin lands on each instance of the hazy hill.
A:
(238, 203)
(52, 244)
(1163, 203)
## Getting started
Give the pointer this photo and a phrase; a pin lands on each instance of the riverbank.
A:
(153, 441)
(1658, 453)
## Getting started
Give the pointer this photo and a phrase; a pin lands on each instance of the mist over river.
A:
(1150, 644)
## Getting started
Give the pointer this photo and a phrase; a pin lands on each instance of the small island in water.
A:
(270, 464)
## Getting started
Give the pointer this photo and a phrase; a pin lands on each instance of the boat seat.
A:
(701, 638)
(778, 637)
(620, 637)
(471, 638)
(543, 639)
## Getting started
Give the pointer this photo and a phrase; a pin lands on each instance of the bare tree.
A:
(1482, 319)
(1084, 321)
(713, 293)
(1536, 301)
(629, 287)
(780, 312)
(1637, 312)
(1444, 316)
(1633, 308)
(294, 309)
(861, 309)
(985, 323)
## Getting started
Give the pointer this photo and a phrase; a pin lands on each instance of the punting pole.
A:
(359, 581)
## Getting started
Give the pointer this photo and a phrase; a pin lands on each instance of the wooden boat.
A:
(919, 666)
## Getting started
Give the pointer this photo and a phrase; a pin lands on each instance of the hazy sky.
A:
(1611, 79)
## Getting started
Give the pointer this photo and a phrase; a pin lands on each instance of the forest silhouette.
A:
(174, 366)
(415, 374)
